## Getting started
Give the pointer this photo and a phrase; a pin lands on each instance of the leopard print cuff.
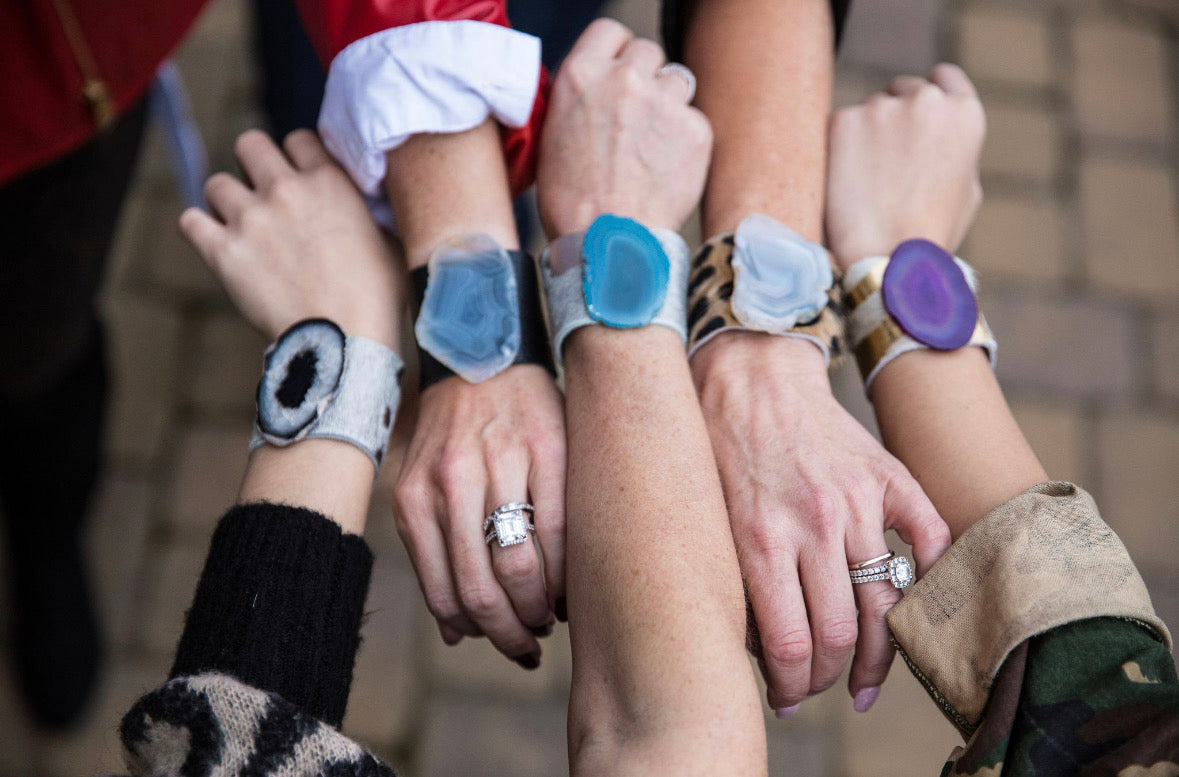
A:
(710, 290)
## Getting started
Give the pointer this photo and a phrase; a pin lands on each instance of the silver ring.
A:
(898, 571)
(509, 524)
(683, 72)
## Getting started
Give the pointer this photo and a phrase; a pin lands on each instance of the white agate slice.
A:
(780, 278)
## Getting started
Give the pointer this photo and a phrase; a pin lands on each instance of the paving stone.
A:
(462, 736)
(1056, 433)
(117, 538)
(1019, 238)
(1166, 356)
(208, 471)
(998, 44)
(386, 683)
(170, 583)
(1120, 83)
(1072, 348)
(94, 748)
(173, 264)
(902, 735)
(226, 366)
(797, 749)
(144, 338)
(216, 65)
(1128, 215)
(1022, 142)
(1139, 456)
(899, 36)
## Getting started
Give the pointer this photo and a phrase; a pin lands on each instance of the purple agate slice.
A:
(926, 292)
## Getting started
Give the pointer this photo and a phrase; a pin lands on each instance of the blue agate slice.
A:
(780, 279)
(626, 272)
(301, 374)
(470, 316)
(928, 295)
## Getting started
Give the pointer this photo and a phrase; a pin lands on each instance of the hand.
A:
(809, 492)
(297, 241)
(905, 164)
(476, 447)
(619, 138)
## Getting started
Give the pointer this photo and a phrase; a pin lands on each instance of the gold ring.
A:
(871, 562)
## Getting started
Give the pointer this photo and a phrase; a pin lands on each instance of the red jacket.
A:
(69, 67)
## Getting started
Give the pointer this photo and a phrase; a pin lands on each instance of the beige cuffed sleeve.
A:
(1034, 563)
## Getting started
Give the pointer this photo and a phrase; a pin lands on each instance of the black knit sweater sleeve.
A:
(279, 607)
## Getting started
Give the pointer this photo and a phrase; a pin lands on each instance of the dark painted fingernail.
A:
(542, 631)
(560, 609)
(530, 661)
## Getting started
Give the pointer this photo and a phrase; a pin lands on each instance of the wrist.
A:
(741, 353)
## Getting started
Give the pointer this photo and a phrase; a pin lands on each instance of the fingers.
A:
(427, 552)
(908, 511)
(603, 41)
(261, 160)
(902, 86)
(645, 56)
(305, 150)
(480, 593)
(776, 596)
(832, 614)
(874, 649)
(516, 567)
(227, 196)
(205, 233)
(546, 484)
(953, 80)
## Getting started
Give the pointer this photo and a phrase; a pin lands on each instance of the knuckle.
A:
(878, 600)
(478, 599)
(837, 636)
(411, 498)
(453, 472)
(514, 567)
(791, 648)
(442, 606)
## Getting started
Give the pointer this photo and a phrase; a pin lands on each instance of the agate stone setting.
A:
(625, 272)
(926, 293)
(470, 315)
(301, 374)
(780, 279)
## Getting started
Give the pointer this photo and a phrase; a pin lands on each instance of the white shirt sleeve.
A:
(439, 76)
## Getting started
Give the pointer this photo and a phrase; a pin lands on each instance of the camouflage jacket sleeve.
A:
(1036, 637)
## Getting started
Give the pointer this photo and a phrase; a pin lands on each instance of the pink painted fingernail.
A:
(786, 712)
(866, 698)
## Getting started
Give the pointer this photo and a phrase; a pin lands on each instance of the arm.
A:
(661, 684)
(809, 490)
(477, 446)
(1051, 653)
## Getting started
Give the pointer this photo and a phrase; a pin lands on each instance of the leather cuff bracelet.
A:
(479, 312)
(764, 278)
(919, 297)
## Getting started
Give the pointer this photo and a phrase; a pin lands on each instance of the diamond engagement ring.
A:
(898, 571)
(509, 524)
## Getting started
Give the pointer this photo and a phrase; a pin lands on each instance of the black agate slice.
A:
(300, 376)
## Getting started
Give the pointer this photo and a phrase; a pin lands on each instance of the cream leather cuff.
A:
(1039, 561)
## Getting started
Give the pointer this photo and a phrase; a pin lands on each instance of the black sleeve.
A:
(279, 607)
(676, 14)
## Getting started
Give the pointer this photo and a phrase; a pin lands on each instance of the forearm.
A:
(657, 611)
(442, 186)
(944, 416)
(765, 71)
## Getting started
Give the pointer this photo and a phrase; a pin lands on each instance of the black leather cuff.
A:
(534, 335)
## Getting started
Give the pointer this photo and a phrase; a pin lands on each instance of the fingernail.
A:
(529, 661)
(560, 609)
(866, 698)
(786, 712)
(542, 631)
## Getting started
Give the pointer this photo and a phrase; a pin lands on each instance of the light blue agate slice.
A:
(625, 273)
(780, 279)
(470, 316)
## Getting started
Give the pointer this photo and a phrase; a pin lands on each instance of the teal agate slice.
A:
(625, 272)
(780, 279)
(470, 316)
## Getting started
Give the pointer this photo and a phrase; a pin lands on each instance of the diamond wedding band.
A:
(683, 72)
(896, 569)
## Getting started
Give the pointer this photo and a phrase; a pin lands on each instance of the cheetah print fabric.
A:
(710, 287)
